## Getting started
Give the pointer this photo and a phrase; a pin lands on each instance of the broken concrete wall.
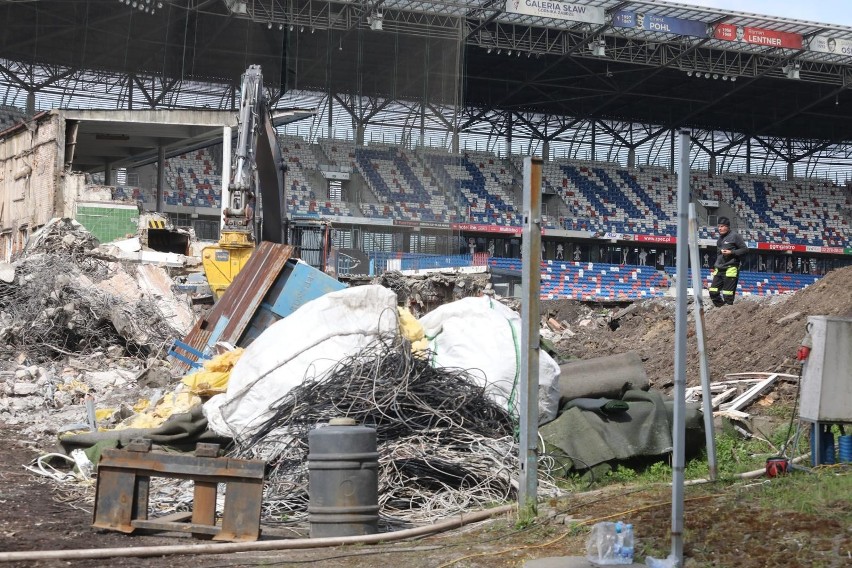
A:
(31, 160)
(72, 188)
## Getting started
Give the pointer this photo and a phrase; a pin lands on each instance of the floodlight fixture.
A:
(791, 70)
(689, 73)
(598, 48)
(376, 21)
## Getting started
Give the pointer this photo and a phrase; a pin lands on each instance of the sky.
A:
(837, 12)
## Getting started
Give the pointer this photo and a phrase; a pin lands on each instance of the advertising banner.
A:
(826, 44)
(758, 36)
(655, 23)
(802, 248)
(423, 224)
(560, 10)
(664, 239)
(486, 228)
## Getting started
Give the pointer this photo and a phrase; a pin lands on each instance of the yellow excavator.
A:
(256, 207)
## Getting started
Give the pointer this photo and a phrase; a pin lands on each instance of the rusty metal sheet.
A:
(234, 310)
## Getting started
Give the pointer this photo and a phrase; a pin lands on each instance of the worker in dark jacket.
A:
(730, 248)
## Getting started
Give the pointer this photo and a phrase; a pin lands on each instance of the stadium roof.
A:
(449, 53)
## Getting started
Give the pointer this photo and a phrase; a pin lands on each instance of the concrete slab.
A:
(567, 562)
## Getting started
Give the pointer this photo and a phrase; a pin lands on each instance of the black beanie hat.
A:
(724, 221)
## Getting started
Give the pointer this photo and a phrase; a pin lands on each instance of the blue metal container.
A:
(298, 284)
(343, 464)
(844, 444)
(825, 437)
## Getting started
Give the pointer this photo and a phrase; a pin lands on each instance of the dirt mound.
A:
(756, 334)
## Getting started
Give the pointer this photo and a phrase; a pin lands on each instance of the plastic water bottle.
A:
(610, 543)
(624, 543)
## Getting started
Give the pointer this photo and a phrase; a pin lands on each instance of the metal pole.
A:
(698, 312)
(678, 429)
(530, 321)
(161, 178)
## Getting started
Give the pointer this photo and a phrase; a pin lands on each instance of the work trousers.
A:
(724, 285)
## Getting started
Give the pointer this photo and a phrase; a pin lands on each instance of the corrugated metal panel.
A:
(231, 315)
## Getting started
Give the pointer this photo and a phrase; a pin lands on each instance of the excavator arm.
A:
(256, 203)
(256, 207)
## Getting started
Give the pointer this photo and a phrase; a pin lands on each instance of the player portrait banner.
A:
(662, 24)
(758, 36)
(826, 44)
(561, 10)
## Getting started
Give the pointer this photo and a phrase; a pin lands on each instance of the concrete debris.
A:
(7, 272)
(170, 259)
(555, 325)
(423, 293)
(61, 234)
(62, 301)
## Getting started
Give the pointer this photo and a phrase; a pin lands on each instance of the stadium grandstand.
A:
(404, 124)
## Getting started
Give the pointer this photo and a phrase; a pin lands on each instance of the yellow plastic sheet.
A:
(171, 403)
(412, 330)
(213, 379)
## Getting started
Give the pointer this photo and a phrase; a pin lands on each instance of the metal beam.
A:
(745, 84)
(594, 35)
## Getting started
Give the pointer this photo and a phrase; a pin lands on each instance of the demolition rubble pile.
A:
(75, 324)
(422, 293)
(444, 446)
(445, 434)
(64, 301)
(756, 334)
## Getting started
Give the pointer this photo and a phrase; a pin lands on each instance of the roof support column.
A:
(330, 115)
(790, 160)
(748, 155)
(422, 125)
(107, 172)
(545, 150)
(594, 140)
(161, 176)
(711, 167)
(30, 103)
(455, 140)
(631, 157)
(509, 134)
(672, 153)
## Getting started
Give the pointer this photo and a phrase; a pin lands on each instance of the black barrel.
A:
(343, 466)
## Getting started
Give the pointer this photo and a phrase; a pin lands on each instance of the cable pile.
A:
(444, 446)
